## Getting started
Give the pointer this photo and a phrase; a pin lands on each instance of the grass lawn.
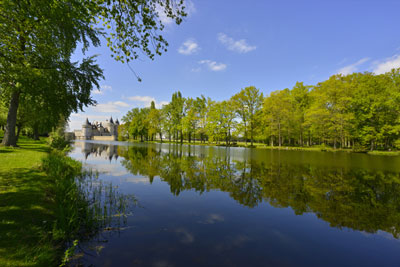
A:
(26, 206)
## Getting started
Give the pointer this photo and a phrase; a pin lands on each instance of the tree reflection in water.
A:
(361, 199)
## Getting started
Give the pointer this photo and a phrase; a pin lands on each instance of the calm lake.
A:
(217, 206)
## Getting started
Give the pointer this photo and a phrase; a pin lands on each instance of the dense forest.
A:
(359, 111)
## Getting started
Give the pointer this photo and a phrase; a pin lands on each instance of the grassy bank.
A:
(264, 146)
(26, 206)
(46, 205)
(40, 204)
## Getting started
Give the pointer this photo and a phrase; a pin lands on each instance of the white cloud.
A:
(189, 9)
(352, 67)
(212, 65)
(240, 46)
(162, 16)
(77, 119)
(188, 47)
(104, 88)
(142, 100)
(162, 103)
(196, 69)
(110, 107)
(387, 65)
(145, 101)
(121, 104)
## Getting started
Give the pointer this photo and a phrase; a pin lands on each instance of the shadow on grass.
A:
(25, 218)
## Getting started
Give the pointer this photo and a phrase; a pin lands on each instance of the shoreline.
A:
(263, 146)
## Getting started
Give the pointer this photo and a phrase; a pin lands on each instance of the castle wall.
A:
(97, 132)
(105, 138)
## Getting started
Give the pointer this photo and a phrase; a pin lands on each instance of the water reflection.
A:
(101, 150)
(360, 199)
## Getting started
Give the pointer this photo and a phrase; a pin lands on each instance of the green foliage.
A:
(70, 205)
(360, 111)
(38, 38)
(57, 139)
(69, 253)
(80, 213)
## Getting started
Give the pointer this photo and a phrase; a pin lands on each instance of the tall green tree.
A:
(155, 121)
(248, 103)
(189, 121)
(301, 100)
(38, 37)
(201, 112)
(277, 109)
(177, 111)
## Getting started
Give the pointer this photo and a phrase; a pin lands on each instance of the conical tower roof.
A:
(111, 120)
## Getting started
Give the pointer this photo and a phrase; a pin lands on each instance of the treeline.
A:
(359, 111)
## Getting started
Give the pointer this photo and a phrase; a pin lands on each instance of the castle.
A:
(98, 131)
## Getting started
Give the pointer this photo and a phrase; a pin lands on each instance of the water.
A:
(215, 206)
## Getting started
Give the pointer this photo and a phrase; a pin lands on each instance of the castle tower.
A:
(109, 125)
(116, 128)
(87, 130)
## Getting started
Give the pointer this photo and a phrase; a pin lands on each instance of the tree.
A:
(276, 110)
(301, 102)
(190, 120)
(167, 123)
(201, 112)
(248, 103)
(38, 37)
(177, 111)
(154, 121)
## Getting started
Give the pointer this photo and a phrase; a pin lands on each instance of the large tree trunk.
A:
(9, 134)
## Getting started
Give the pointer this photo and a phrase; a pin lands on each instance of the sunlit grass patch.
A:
(26, 208)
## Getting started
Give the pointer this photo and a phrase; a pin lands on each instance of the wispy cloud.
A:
(162, 103)
(196, 69)
(145, 101)
(212, 65)
(104, 88)
(77, 119)
(121, 104)
(189, 47)
(240, 46)
(110, 107)
(352, 67)
(387, 65)
(189, 9)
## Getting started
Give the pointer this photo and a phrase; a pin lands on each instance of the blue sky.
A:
(223, 46)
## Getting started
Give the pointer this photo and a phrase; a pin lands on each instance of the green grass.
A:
(384, 153)
(26, 206)
(45, 207)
